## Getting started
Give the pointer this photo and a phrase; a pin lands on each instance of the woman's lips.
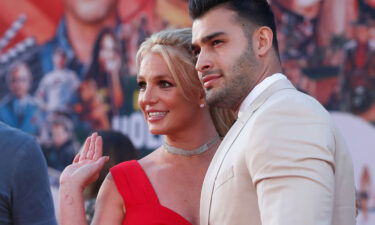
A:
(156, 115)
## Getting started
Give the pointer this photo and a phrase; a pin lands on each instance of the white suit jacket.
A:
(282, 163)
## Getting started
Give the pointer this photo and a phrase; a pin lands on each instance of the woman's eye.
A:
(165, 84)
(142, 85)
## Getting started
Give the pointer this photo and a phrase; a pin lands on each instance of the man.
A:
(18, 109)
(25, 196)
(282, 162)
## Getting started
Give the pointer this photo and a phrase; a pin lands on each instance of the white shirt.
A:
(258, 89)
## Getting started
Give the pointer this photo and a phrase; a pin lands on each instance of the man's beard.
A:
(236, 84)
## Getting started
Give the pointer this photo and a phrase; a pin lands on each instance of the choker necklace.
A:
(201, 149)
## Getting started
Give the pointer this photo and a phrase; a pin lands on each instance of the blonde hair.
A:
(174, 46)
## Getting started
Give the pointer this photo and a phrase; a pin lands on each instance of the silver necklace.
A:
(201, 149)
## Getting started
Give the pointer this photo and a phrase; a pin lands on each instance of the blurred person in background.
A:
(18, 108)
(25, 196)
(61, 149)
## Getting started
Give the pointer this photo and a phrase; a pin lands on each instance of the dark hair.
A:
(96, 71)
(257, 12)
(119, 148)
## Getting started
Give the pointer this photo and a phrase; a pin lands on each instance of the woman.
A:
(163, 187)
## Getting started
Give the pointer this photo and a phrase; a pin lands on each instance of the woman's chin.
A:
(156, 132)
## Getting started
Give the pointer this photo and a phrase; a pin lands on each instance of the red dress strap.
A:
(133, 184)
(141, 202)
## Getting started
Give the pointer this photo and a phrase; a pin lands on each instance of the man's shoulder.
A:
(295, 102)
(14, 139)
(292, 96)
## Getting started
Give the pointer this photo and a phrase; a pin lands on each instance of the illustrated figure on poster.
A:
(77, 31)
(299, 19)
(366, 10)
(60, 151)
(57, 88)
(91, 108)
(359, 72)
(18, 108)
(364, 194)
(105, 69)
(98, 105)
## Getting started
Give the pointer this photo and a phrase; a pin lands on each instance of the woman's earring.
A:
(202, 105)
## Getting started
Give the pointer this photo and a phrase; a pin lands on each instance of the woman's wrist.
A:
(71, 185)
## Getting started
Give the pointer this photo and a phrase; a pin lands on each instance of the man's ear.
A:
(262, 41)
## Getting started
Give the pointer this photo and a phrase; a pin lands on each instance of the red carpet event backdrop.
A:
(71, 63)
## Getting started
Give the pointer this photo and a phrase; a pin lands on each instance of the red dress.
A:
(141, 203)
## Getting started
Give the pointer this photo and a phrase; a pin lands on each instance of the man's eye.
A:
(165, 84)
(142, 85)
(216, 42)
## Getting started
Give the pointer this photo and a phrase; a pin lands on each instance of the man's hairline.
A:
(235, 19)
(247, 26)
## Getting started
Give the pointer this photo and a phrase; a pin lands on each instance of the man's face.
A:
(226, 63)
(90, 11)
(19, 82)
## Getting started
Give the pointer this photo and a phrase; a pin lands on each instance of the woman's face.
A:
(165, 109)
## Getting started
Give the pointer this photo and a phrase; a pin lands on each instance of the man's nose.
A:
(204, 62)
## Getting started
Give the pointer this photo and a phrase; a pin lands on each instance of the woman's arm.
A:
(76, 177)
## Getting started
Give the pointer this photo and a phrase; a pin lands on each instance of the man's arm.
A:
(32, 201)
(291, 163)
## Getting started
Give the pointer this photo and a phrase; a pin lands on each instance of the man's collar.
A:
(258, 89)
